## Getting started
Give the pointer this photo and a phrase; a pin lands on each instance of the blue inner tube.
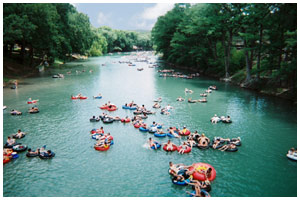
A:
(125, 107)
(94, 136)
(157, 145)
(160, 135)
(98, 97)
(132, 108)
(45, 155)
(181, 182)
(15, 156)
(143, 129)
(170, 135)
(31, 155)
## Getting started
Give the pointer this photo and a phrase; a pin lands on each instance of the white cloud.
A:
(157, 10)
(102, 19)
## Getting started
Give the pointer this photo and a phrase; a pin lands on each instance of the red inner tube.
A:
(74, 98)
(187, 132)
(102, 148)
(113, 108)
(188, 150)
(82, 97)
(137, 126)
(125, 120)
(6, 161)
(200, 170)
(173, 149)
(103, 107)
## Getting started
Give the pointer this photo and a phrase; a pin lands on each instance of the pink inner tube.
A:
(188, 150)
(187, 132)
(101, 148)
(174, 147)
(199, 174)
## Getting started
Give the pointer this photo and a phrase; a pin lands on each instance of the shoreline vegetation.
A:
(249, 45)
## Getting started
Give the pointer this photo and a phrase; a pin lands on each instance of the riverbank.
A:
(264, 85)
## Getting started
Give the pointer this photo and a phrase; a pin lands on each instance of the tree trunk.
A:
(248, 70)
(258, 53)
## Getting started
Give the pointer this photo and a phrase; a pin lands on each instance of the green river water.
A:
(266, 125)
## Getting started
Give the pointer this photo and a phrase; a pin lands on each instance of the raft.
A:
(200, 170)
(174, 147)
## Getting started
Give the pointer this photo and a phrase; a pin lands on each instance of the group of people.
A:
(183, 173)
(215, 119)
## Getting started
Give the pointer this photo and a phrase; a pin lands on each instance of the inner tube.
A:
(232, 150)
(11, 146)
(160, 135)
(202, 147)
(29, 155)
(113, 108)
(137, 112)
(170, 135)
(292, 156)
(200, 170)
(205, 192)
(82, 97)
(181, 182)
(101, 148)
(125, 120)
(73, 98)
(15, 136)
(143, 129)
(45, 155)
(236, 144)
(19, 148)
(94, 119)
(14, 113)
(125, 107)
(157, 145)
(187, 150)
(174, 147)
(108, 120)
(227, 122)
(136, 125)
(97, 97)
(15, 155)
(132, 108)
(103, 107)
(33, 112)
(185, 132)
(6, 161)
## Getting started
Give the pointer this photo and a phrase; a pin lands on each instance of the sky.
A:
(124, 16)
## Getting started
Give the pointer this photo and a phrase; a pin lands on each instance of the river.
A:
(260, 168)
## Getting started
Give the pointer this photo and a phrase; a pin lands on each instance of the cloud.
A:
(104, 19)
(157, 10)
